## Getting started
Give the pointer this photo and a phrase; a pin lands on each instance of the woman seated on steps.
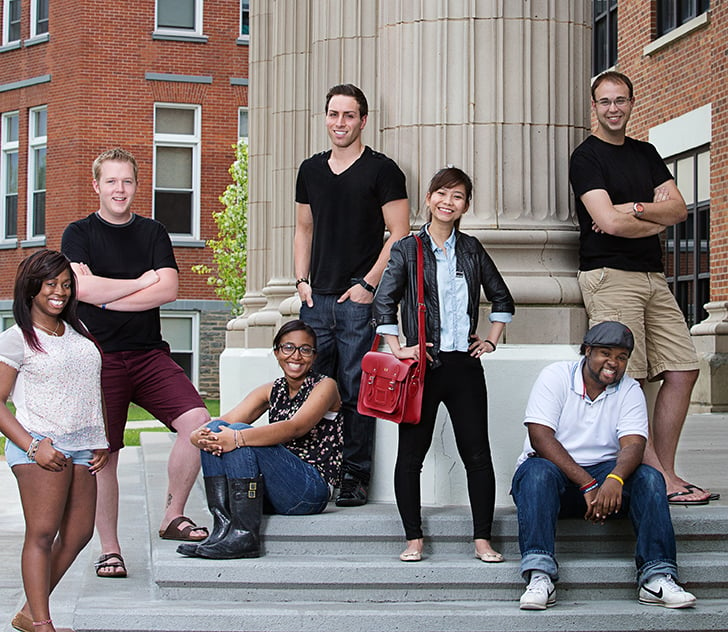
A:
(292, 463)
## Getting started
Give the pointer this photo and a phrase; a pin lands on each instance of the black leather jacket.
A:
(398, 287)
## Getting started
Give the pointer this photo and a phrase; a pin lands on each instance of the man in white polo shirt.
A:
(587, 429)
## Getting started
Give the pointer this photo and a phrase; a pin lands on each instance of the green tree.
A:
(229, 249)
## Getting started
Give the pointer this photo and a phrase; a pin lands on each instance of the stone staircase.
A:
(339, 571)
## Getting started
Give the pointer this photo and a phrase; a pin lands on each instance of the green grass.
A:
(136, 413)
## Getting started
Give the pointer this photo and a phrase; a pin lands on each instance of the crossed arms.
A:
(150, 290)
(667, 208)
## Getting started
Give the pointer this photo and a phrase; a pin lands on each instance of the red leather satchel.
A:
(392, 388)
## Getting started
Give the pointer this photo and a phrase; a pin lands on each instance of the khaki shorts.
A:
(643, 302)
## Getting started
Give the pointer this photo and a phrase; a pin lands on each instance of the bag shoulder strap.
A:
(420, 303)
(421, 299)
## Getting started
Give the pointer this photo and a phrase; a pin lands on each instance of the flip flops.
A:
(675, 497)
(713, 495)
(174, 532)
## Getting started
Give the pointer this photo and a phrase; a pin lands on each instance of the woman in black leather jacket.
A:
(455, 268)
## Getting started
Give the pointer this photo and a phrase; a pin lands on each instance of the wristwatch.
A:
(638, 209)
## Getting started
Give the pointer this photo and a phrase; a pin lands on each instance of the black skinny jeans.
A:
(459, 383)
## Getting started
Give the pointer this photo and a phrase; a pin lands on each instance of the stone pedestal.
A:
(710, 394)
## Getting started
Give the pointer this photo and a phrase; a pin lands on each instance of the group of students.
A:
(315, 441)
(51, 364)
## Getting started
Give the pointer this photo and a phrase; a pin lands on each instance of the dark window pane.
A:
(174, 210)
(11, 216)
(41, 23)
(14, 21)
(245, 18)
(39, 213)
(185, 361)
(687, 256)
(176, 14)
(674, 13)
(604, 35)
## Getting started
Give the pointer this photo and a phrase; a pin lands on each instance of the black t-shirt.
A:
(629, 173)
(348, 225)
(120, 252)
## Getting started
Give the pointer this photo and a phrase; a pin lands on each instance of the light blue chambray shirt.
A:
(452, 296)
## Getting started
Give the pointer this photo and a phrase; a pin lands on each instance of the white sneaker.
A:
(540, 593)
(662, 590)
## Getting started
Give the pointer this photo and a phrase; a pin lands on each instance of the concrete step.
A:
(467, 616)
(339, 570)
(385, 579)
(376, 527)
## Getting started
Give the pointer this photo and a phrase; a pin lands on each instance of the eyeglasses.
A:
(288, 348)
(620, 102)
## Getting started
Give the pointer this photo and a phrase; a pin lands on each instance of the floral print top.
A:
(322, 445)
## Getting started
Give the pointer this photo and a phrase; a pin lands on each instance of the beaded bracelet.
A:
(32, 449)
(616, 478)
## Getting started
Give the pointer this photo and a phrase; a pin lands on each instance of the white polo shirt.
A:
(588, 430)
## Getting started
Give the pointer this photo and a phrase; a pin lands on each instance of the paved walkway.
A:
(701, 459)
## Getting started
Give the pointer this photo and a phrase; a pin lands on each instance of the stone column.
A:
(499, 89)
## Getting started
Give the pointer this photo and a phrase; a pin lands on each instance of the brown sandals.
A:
(111, 560)
(184, 534)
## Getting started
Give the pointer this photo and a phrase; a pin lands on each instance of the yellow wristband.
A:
(616, 478)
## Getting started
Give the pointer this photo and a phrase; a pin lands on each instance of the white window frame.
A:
(244, 37)
(240, 111)
(192, 141)
(195, 31)
(7, 148)
(5, 318)
(35, 142)
(34, 20)
(194, 319)
(6, 24)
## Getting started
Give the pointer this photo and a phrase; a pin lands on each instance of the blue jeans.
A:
(343, 335)
(543, 493)
(291, 486)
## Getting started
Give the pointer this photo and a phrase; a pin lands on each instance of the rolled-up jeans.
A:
(291, 486)
(543, 493)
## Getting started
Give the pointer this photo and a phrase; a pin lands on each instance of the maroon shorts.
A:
(150, 379)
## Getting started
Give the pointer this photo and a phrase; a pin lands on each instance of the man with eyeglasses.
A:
(345, 199)
(625, 197)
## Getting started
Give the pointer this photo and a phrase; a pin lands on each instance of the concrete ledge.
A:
(510, 372)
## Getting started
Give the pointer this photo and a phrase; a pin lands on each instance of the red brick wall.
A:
(99, 98)
(687, 74)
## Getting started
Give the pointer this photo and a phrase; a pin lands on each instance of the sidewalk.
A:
(701, 460)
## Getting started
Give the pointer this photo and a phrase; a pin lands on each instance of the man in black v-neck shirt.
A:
(345, 198)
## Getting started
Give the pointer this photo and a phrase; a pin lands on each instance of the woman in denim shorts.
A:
(56, 440)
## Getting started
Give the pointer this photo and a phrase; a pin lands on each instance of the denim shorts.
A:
(17, 456)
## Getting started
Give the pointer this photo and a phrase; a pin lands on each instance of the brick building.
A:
(166, 80)
(675, 53)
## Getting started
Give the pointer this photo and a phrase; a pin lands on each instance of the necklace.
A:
(48, 331)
